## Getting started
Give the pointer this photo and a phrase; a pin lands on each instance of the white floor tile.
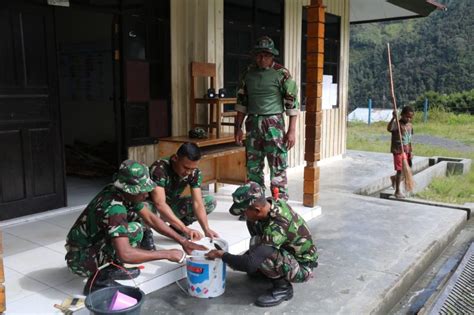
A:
(41, 264)
(13, 244)
(64, 221)
(19, 286)
(72, 287)
(39, 232)
(40, 303)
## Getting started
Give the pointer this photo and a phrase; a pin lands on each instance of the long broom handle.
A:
(393, 97)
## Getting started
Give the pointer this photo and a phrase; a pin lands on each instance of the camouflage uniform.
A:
(284, 230)
(164, 176)
(108, 215)
(263, 95)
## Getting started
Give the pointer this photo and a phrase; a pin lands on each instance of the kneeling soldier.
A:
(281, 247)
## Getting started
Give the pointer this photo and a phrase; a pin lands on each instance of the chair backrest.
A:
(201, 70)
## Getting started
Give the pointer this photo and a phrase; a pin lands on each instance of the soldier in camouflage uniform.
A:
(266, 91)
(281, 247)
(172, 175)
(111, 228)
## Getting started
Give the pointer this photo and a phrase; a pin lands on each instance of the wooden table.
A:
(222, 160)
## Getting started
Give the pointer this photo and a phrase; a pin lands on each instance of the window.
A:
(244, 22)
(332, 47)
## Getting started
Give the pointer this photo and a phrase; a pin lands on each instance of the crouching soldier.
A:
(172, 176)
(281, 247)
(110, 229)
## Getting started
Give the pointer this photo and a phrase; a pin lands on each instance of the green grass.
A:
(453, 189)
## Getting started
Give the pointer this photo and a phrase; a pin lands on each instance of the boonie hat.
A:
(265, 43)
(197, 133)
(133, 178)
(245, 196)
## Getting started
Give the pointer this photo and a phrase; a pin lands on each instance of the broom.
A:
(406, 170)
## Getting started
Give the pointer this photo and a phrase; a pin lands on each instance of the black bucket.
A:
(98, 302)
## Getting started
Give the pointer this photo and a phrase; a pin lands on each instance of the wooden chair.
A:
(207, 71)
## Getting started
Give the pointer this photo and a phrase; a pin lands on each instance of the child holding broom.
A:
(399, 139)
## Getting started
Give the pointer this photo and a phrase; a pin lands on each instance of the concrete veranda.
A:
(371, 251)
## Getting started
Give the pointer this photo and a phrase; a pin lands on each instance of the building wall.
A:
(197, 34)
(334, 121)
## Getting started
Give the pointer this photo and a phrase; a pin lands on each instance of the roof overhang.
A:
(367, 11)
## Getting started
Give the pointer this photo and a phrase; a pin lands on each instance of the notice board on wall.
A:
(85, 72)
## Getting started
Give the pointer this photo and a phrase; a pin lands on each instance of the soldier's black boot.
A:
(115, 273)
(282, 291)
(147, 243)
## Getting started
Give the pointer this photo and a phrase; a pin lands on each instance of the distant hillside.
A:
(433, 53)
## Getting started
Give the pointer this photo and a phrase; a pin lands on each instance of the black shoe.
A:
(148, 243)
(100, 282)
(115, 273)
(282, 291)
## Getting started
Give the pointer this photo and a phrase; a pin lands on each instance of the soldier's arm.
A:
(161, 227)
(248, 262)
(131, 255)
(158, 196)
(200, 212)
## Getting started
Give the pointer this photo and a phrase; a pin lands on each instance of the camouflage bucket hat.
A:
(265, 43)
(133, 178)
(244, 197)
(197, 133)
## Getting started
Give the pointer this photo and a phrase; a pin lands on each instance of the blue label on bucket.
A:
(197, 273)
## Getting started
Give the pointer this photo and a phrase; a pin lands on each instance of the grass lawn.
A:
(453, 189)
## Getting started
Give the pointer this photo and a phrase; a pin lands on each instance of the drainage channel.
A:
(424, 173)
(458, 294)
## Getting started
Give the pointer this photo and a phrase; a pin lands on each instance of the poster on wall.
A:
(330, 89)
(59, 3)
(84, 69)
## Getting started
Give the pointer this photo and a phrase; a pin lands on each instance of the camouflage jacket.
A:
(163, 175)
(105, 217)
(287, 230)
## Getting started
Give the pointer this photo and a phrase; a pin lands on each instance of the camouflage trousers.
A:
(265, 138)
(85, 261)
(282, 264)
(183, 208)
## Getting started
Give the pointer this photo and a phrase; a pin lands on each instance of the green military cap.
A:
(133, 178)
(197, 133)
(245, 196)
(265, 43)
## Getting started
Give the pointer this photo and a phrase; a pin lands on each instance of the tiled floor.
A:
(36, 273)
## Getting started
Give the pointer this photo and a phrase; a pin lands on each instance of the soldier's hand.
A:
(213, 254)
(193, 235)
(211, 234)
(290, 139)
(190, 246)
(176, 255)
(239, 135)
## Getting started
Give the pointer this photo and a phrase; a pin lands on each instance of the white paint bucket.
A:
(206, 278)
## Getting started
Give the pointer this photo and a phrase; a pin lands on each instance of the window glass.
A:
(244, 22)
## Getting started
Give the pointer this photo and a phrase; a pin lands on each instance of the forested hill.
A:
(433, 53)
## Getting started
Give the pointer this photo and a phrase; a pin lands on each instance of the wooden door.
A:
(31, 154)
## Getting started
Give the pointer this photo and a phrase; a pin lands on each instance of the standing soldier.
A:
(266, 90)
(281, 247)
